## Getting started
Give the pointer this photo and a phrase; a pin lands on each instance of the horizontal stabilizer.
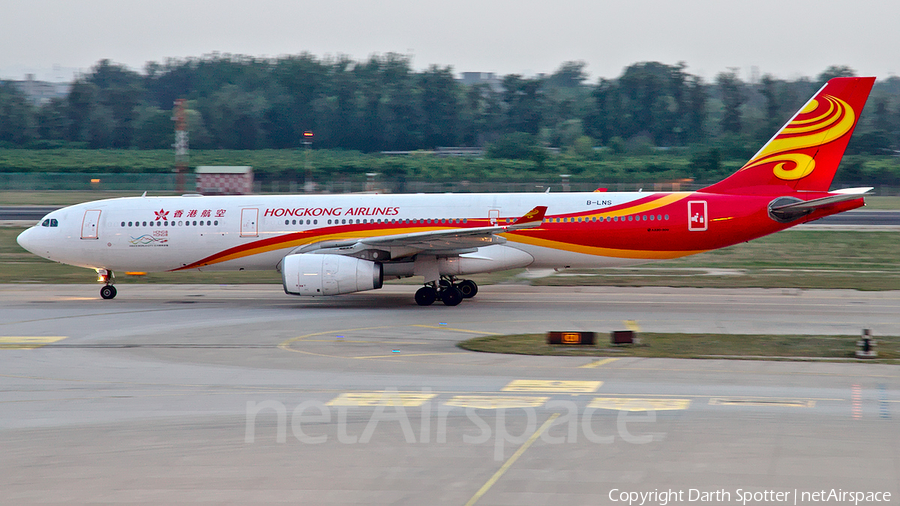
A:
(842, 195)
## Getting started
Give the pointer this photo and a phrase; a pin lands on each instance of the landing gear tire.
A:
(426, 296)
(108, 292)
(467, 288)
(451, 296)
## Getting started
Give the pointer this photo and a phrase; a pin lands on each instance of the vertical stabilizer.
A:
(804, 155)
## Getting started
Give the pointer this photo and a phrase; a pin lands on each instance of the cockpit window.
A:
(50, 222)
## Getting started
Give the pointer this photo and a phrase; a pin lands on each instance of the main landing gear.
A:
(108, 291)
(450, 291)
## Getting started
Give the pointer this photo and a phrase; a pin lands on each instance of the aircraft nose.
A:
(27, 240)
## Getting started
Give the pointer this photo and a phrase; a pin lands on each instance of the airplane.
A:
(337, 244)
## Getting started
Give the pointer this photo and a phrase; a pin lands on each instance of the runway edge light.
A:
(571, 338)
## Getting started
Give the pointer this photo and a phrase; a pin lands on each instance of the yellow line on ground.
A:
(397, 355)
(632, 325)
(512, 460)
(285, 345)
(455, 330)
(598, 363)
(27, 342)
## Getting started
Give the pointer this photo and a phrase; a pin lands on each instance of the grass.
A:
(670, 345)
(883, 203)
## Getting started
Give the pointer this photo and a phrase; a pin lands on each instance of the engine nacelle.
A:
(311, 274)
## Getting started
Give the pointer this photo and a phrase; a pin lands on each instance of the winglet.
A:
(531, 219)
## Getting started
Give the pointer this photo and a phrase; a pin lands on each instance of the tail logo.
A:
(823, 120)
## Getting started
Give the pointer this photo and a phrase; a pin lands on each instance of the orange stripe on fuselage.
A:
(599, 251)
(297, 239)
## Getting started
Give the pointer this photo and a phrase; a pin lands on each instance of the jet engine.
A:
(311, 274)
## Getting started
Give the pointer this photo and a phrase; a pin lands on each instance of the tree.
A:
(522, 99)
(570, 74)
(440, 107)
(835, 71)
(52, 120)
(16, 116)
(733, 97)
(236, 118)
(154, 129)
(121, 91)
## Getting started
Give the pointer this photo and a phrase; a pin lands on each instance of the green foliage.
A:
(382, 103)
(517, 146)
(584, 147)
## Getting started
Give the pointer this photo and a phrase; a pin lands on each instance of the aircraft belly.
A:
(549, 258)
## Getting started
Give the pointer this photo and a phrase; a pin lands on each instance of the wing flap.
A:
(445, 241)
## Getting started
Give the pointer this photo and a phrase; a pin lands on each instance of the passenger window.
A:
(123, 223)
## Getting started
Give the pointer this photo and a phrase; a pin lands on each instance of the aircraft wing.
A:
(448, 241)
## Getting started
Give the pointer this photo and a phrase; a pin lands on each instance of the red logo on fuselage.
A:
(161, 215)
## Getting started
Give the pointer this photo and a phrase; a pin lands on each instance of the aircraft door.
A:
(90, 224)
(249, 222)
(494, 216)
(698, 220)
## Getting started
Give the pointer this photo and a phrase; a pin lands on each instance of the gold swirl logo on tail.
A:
(820, 122)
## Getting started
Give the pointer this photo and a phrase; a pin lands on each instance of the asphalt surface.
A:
(863, 217)
(244, 395)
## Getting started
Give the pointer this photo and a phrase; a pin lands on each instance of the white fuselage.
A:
(154, 234)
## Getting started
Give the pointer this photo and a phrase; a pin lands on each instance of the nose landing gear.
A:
(448, 290)
(108, 291)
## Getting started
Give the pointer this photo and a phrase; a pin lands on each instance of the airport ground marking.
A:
(598, 363)
(512, 460)
(632, 325)
(639, 404)
(762, 402)
(456, 330)
(396, 355)
(496, 401)
(27, 342)
(555, 386)
(286, 344)
(383, 398)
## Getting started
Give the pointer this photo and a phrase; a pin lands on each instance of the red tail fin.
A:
(806, 152)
